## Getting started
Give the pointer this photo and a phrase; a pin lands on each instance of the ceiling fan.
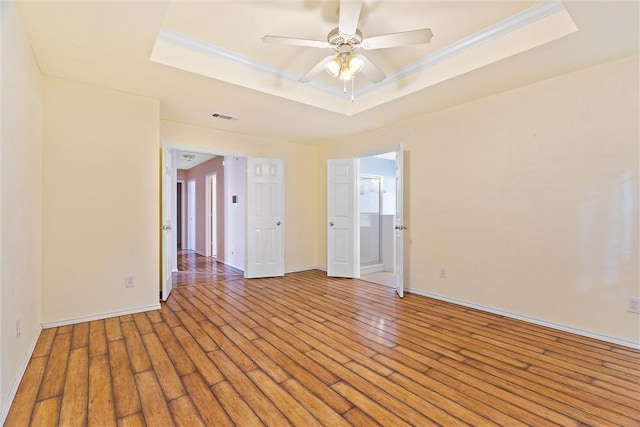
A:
(345, 40)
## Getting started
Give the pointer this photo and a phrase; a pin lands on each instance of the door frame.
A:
(211, 215)
(191, 214)
(182, 207)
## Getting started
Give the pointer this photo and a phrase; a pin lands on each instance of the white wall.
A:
(529, 198)
(100, 201)
(20, 201)
(235, 183)
(370, 239)
(388, 242)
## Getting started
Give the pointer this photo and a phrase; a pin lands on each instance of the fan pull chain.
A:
(353, 96)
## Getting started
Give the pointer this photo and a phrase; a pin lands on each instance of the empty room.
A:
(320, 212)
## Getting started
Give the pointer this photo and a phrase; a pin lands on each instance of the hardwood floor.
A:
(194, 268)
(310, 350)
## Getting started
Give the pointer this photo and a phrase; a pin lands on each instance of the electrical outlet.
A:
(443, 273)
(129, 281)
(633, 305)
(18, 328)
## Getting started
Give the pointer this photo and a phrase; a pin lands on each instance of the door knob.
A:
(278, 223)
(331, 223)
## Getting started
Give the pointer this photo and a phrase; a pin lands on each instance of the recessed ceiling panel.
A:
(199, 37)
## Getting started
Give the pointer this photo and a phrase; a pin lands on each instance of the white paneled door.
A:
(265, 218)
(399, 223)
(343, 233)
(166, 221)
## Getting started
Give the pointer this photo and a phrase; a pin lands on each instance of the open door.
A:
(399, 224)
(265, 218)
(343, 233)
(166, 221)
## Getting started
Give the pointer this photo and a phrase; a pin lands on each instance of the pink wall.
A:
(199, 173)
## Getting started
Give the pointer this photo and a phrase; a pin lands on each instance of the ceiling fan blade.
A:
(295, 42)
(370, 71)
(317, 69)
(349, 16)
(397, 39)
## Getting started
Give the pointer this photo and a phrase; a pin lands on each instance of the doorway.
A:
(247, 191)
(370, 194)
(343, 216)
(377, 210)
(203, 260)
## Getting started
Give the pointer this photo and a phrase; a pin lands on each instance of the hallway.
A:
(194, 268)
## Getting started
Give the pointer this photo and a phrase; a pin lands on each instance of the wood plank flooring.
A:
(194, 268)
(310, 350)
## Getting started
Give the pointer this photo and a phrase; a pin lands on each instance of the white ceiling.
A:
(186, 160)
(479, 48)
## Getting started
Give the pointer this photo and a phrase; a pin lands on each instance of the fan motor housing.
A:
(336, 38)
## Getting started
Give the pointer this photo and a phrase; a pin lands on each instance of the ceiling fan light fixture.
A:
(334, 66)
(355, 64)
(345, 73)
(344, 66)
(351, 65)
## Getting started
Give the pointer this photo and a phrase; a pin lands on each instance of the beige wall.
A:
(529, 198)
(301, 201)
(100, 200)
(20, 200)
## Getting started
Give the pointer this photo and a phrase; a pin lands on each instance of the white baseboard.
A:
(300, 269)
(18, 379)
(75, 320)
(371, 269)
(535, 321)
(231, 265)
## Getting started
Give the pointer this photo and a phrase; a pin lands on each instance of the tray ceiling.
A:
(201, 57)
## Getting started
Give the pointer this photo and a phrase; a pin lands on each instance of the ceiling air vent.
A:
(224, 116)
